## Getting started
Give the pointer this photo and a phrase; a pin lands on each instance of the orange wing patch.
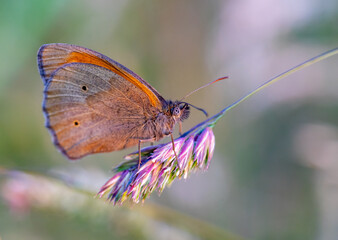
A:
(52, 56)
(82, 57)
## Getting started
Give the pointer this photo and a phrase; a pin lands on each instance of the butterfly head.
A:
(178, 110)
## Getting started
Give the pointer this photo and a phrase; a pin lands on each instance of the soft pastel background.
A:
(274, 174)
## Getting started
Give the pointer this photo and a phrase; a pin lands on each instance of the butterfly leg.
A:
(139, 149)
(180, 127)
(139, 154)
(172, 140)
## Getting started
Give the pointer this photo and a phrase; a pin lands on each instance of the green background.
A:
(274, 174)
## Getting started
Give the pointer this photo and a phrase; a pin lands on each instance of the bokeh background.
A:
(274, 174)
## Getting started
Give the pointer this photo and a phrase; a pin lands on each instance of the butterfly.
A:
(93, 104)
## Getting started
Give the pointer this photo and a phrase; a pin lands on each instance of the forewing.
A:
(52, 56)
(90, 109)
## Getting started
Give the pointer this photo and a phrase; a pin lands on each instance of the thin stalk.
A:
(212, 120)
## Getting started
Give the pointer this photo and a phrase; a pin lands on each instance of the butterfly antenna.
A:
(219, 79)
(200, 109)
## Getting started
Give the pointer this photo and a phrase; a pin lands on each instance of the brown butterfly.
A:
(93, 104)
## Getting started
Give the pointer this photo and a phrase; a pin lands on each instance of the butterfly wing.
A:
(52, 56)
(90, 109)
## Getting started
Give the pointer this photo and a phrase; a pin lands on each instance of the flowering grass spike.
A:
(159, 166)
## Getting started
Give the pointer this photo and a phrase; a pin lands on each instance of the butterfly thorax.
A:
(163, 124)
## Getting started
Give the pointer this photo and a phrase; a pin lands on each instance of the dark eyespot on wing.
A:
(102, 118)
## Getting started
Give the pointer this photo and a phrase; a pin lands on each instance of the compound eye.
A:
(176, 111)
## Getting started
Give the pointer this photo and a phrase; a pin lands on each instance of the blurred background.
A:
(274, 174)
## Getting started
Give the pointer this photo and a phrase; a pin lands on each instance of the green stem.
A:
(212, 120)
